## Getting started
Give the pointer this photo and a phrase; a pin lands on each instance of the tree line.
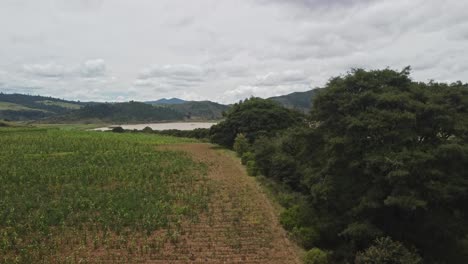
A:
(377, 172)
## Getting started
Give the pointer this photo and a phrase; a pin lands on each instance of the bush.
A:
(386, 251)
(316, 256)
(246, 157)
(306, 236)
(147, 130)
(252, 168)
(291, 217)
(118, 130)
(241, 144)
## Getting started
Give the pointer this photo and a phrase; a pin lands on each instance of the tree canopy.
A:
(382, 158)
(253, 117)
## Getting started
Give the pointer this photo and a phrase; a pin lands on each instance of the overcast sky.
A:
(118, 50)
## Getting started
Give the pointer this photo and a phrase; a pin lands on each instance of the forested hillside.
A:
(377, 174)
(17, 107)
(301, 101)
(165, 101)
(20, 107)
(200, 110)
(130, 112)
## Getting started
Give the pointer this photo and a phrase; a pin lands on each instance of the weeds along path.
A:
(241, 224)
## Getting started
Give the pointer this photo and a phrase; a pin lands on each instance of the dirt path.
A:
(241, 225)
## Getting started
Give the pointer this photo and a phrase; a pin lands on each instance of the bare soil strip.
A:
(241, 224)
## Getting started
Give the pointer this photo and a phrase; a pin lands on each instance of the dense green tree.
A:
(254, 117)
(393, 160)
(381, 156)
(316, 256)
(386, 251)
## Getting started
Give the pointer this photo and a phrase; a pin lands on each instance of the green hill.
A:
(200, 110)
(165, 101)
(301, 101)
(131, 112)
(19, 107)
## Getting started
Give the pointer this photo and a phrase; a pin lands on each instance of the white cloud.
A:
(184, 72)
(93, 68)
(246, 91)
(46, 70)
(221, 50)
(89, 69)
(282, 78)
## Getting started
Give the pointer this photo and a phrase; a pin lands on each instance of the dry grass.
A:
(241, 225)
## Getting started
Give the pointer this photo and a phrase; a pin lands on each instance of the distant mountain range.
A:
(20, 107)
(164, 101)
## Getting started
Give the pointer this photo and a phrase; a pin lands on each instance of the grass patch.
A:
(16, 107)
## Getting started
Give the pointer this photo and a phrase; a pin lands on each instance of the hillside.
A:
(301, 101)
(202, 110)
(131, 112)
(19, 107)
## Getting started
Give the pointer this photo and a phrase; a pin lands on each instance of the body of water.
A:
(162, 126)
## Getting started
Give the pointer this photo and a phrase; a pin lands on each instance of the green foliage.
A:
(382, 155)
(202, 110)
(393, 155)
(241, 144)
(147, 130)
(253, 117)
(386, 251)
(130, 112)
(246, 157)
(282, 158)
(306, 236)
(252, 168)
(198, 133)
(118, 130)
(316, 256)
(300, 220)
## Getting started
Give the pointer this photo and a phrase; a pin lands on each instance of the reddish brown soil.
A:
(241, 225)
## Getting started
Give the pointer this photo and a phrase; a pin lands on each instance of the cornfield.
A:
(78, 197)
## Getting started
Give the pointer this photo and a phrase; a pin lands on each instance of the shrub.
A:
(246, 157)
(118, 130)
(147, 130)
(386, 251)
(241, 144)
(252, 168)
(306, 236)
(316, 256)
(290, 218)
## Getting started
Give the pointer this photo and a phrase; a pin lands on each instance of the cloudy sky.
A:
(116, 50)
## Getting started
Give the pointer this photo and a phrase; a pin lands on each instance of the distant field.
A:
(72, 196)
(61, 104)
(17, 107)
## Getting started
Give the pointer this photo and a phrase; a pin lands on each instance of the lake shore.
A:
(160, 126)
